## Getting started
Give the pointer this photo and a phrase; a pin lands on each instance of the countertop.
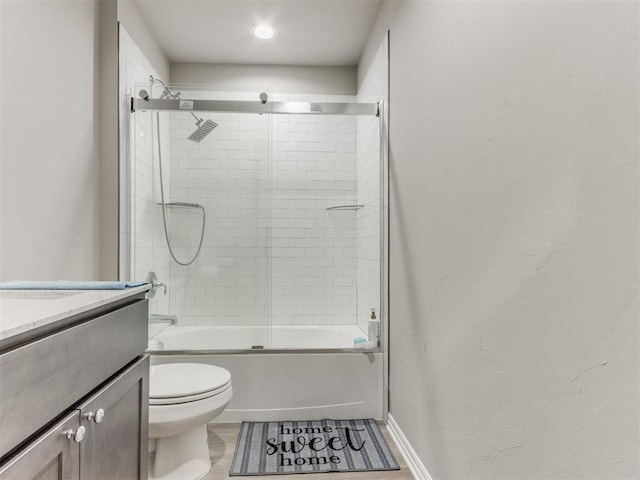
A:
(25, 310)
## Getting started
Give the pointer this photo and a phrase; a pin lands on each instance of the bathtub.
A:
(278, 337)
(302, 373)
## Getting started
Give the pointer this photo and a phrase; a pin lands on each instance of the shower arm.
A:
(166, 93)
(198, 120)
(153, 80)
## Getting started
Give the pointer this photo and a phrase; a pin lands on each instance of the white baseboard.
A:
(416, 466)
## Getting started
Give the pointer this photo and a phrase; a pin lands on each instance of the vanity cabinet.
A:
(74, 403)
(99, 439)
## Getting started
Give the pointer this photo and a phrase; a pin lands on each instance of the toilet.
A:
(183, 398)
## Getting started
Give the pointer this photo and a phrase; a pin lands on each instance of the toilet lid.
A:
(180, 381)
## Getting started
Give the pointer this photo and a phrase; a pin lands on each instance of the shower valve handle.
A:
(156, 284)
(152, 278)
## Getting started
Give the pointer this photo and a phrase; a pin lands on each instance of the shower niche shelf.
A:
(345, 207)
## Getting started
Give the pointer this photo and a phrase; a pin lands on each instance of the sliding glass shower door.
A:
(217, 192)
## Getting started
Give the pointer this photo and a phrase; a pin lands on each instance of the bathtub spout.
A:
(156, 318)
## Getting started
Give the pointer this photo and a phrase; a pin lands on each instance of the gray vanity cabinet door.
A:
(116, 422)
(51, 456)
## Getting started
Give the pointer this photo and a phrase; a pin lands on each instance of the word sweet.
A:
(313, 439)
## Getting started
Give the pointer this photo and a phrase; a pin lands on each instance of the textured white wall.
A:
(514, 237)
(279, 78)
(49, 218)
(134, 23)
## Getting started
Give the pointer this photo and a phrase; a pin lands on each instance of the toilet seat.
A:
(174, 383)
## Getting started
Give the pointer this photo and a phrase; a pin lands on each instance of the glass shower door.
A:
(218, 192)
(229, 174)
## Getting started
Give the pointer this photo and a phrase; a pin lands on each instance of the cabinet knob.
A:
(96, 416)
(77, 435)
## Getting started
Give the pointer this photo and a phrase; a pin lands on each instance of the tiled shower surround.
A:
(274, 251)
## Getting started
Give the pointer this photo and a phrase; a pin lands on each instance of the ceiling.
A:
(309, 32)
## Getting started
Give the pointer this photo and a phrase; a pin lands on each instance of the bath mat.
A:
(267, 448)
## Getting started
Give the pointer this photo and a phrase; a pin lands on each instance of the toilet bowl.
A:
(183, 398)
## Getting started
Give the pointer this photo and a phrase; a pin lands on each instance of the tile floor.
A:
(222, 444)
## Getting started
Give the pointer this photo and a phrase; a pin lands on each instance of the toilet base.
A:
(182, 457)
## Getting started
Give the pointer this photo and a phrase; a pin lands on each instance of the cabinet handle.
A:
(77, 435)
(96, 416)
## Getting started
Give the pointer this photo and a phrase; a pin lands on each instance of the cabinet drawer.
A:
(42, 379)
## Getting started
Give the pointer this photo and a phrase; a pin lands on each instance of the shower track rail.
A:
(168, 104)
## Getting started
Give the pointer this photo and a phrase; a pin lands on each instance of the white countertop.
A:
(24, 310)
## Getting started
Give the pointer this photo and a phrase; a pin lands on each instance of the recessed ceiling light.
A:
(264, 32)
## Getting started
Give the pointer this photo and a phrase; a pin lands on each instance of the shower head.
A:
(204, 129)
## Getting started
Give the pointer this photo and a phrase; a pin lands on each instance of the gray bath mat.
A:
(267, 448)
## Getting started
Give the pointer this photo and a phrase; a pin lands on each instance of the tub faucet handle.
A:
(152, 278)
(157, 284)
